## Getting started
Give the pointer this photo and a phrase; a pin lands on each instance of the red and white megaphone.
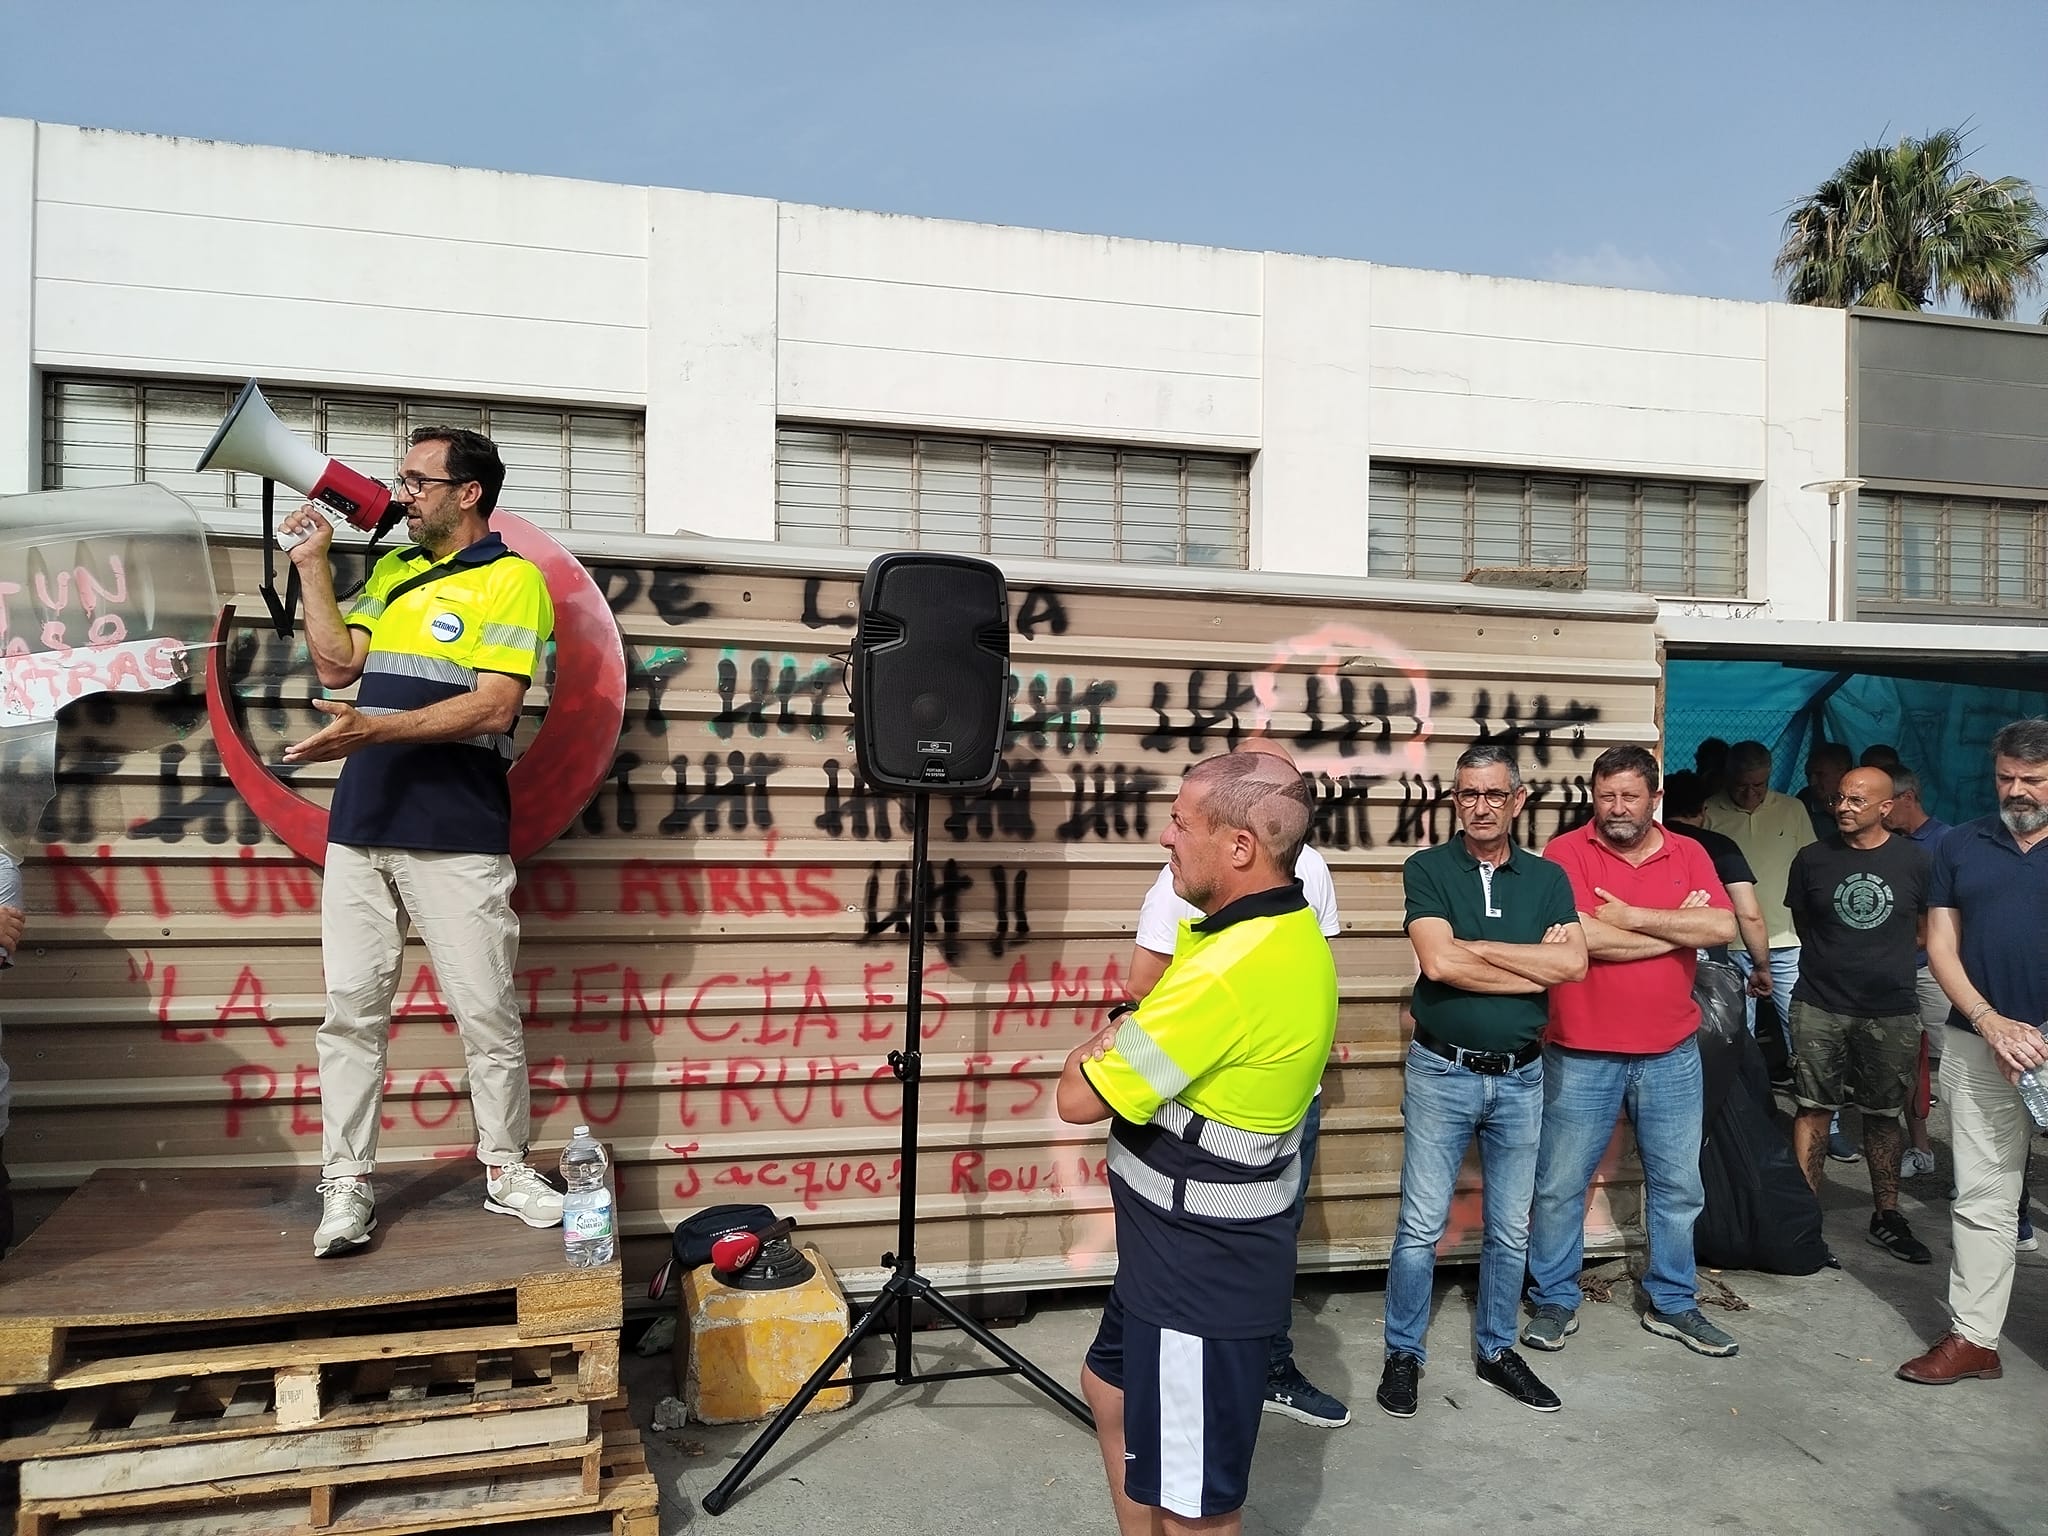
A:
(251, 438)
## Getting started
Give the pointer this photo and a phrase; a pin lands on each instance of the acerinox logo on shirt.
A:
(446, 627)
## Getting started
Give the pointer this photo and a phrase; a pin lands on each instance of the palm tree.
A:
(1905, 225)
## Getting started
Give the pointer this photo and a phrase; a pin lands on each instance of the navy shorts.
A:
(1191, 1411)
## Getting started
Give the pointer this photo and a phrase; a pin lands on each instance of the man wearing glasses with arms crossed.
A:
(445, 637)
(1493, 928)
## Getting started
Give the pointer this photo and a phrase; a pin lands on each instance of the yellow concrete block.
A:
(749, 1351)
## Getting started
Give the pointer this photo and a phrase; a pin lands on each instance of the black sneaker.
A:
(1291, 1393)
(1510, 1372)
(1888, 1230)
(1397, 1385)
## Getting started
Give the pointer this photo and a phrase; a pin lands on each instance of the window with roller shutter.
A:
(1010, 497)
(1668, 538)
(1922, 556)
(564, 468)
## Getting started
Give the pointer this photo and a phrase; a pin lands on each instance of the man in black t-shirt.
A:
(1685, 809)
(1860, 907)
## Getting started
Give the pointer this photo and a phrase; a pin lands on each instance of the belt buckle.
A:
(1490, 1063)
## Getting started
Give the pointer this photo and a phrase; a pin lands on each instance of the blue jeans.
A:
(1583, 1092)
(1311, 1127)
(1784, 976)
(1442, 1107)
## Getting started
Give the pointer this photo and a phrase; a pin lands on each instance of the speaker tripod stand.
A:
(905, 1287)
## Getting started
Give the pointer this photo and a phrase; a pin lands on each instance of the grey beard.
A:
(2022, 817)
(1636, 832)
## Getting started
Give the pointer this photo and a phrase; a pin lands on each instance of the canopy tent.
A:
(1941, 718)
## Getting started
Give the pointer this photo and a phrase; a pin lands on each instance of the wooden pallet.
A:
(603, 1475)
(142, 1273)
(222, 1400)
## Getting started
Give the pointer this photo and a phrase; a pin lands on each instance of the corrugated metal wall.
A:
(714, 957)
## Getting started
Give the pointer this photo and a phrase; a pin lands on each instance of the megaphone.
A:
(251, 438)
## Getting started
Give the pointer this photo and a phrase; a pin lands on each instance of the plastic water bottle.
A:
(2034, 1094)
(587, 1232)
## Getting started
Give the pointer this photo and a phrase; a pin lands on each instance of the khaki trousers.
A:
(1990, 1130)
(1934, 1009)
(461, 904)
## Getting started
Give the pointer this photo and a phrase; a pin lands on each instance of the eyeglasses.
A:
(1851, 803)
(1496, 798)
(416, 485)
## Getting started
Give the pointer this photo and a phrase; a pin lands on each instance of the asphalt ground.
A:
(1806, 1430)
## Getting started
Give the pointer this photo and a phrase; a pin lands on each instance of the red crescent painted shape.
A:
(301, 823)
(571, 755)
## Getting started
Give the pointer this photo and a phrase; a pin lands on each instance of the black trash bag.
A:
(1760, 1213)
(1724, 1028)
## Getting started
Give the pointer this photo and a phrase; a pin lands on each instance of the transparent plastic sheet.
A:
(108, 590)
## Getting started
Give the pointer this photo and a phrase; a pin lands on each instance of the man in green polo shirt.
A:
(1494, 927)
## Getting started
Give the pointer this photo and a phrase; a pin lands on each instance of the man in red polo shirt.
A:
(1623, 1039)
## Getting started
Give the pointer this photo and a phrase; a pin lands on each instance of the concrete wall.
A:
(159, 255)
(719, 314)
(19, 413)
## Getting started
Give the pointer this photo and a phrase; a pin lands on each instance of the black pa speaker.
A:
(931, 672)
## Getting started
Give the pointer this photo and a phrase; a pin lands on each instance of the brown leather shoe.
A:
(1953, 1359)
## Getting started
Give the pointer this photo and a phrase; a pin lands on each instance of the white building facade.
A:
(670, 361)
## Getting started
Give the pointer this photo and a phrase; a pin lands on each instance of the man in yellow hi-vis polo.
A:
(1205, 1086)
(445, 636)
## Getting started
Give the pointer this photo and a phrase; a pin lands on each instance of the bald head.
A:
(1861, 805)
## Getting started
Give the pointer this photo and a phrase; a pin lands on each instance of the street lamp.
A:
(1835, 490)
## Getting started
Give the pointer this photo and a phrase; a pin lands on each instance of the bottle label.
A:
(587, 1224)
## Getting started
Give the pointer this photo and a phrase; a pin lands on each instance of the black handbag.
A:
(690, 1245)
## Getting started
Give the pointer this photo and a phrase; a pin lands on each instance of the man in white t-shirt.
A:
(1159, 920)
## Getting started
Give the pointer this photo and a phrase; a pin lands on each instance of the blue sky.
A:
(1652, 144)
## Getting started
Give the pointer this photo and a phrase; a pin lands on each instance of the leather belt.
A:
(1487, 1063)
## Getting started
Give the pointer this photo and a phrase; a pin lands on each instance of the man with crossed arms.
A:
(1493, 928)
(1624, 1040)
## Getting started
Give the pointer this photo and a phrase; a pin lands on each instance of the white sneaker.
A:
(348, 1215)
(516, 1190)
(1915, 1163)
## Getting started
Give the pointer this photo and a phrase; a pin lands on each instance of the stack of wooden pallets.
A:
(181, 1365)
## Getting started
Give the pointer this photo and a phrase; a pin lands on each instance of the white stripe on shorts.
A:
(1181, 1463)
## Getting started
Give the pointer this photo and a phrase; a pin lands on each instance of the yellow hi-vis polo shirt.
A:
(1238, 1028)
(1209, 1081)
(482, 609)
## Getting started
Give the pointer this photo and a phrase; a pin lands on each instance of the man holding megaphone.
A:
(445, 637)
